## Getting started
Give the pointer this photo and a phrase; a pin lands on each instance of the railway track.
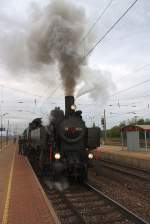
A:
(87, 205)
(128, 170)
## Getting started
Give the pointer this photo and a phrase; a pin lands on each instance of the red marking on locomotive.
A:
(72, 130)
(51, 152)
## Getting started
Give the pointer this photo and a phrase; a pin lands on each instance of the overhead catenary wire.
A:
(111, 28)
(136, 70)
(102, 38)
(21, 91)
(131, 98)
(137, 113)
(131, 87)
(96, 21)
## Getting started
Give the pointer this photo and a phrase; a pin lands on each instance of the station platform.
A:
(139, 160)
(22, 199)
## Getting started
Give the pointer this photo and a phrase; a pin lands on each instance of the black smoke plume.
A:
(55, 37)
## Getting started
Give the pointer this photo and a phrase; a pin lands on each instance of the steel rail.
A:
(67, 202)
(126, 166)
(73, 208)
(126, 213)
(145, 175)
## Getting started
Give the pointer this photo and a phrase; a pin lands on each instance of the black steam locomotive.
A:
(63, 148)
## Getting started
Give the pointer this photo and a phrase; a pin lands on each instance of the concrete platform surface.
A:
(115, 153)
(23, 201)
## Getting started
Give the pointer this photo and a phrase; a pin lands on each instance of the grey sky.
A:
(124, 50)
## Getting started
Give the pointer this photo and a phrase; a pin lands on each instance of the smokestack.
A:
(69, 101)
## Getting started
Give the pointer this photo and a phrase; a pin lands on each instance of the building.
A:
(137, 137)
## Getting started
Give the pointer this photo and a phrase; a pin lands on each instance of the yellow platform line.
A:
(6, 208)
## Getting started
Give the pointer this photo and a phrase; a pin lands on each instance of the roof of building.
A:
(136, 128)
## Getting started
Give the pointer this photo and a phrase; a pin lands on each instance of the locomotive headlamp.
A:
(73, 107)
(90, 156)
(57, 156)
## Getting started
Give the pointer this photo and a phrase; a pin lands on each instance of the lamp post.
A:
(103, 123)
(7, 137)
(2, 129)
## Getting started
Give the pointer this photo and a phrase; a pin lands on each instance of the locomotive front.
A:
(72, 134)
(71, 153)
(63, 148)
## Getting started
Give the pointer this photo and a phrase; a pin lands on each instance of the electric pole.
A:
(103, 123)
(7, 132)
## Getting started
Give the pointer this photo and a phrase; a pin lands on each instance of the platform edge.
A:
(48, 203)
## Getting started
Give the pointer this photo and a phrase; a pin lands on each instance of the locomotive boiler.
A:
(63, 148)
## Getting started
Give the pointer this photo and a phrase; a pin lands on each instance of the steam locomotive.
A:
(63, 148)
